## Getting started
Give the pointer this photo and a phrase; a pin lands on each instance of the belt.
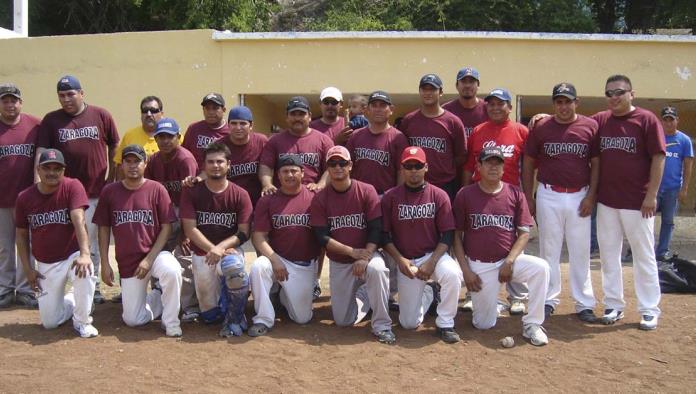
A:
(560, 189)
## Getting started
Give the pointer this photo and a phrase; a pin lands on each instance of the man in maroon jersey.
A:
(418, 227)
(439, 133)
(493, 223)
(469, 109)
(213, 127)
(215, 214)
(288, 249)
(141, 214)
(87, 137)
(18, 140)
(53, 212)
(346, 218)
(331, 122)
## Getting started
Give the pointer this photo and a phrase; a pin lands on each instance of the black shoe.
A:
(98, 297)
(448, 335)
(117, 299)
(393, 306)
(611, 316)
(548, 311)
(587, 315)
(432, 311)
(316, 293)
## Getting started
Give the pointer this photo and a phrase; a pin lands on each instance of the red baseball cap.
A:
(338, 150)
(413, 153)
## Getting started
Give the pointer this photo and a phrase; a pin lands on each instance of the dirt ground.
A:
(320, 357)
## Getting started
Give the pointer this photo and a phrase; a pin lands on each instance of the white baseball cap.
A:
(331, 92)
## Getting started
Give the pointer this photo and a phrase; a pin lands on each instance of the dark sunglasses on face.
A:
(330, 102)
(615, 92)
(150, 110)
(413, 166)
(340, 163)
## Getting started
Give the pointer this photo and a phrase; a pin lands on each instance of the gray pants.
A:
(189, 302)
(12, 277)
(352, 297)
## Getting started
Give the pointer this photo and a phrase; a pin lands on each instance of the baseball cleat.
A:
(85, 330)
(536, 334)
(174, 332)
(432, 311)
(611, 316)
(98, 297)
(6, 300)
(189, 316)
(648, 322)
(27, 299)
(548, 311)
(258, 330)
(517, 307)
(316, 292)
(448, 335)
(386, 336)
(587, 315)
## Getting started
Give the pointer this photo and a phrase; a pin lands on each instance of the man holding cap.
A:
(560, 147)
(331, 122)
(287, 247)
(469, 109)
(675, 179)
(346, 218)
(18, 141)
(493, 223)
(87, 137)
(53, 211)
(213, 127)
(141, 214)
(439, 133)
(418, 230)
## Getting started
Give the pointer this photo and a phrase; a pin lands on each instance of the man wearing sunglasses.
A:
(213, 127)
(346, 218)
(418, 230)
(331, 122)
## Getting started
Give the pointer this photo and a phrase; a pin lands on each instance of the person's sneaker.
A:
(386, 336)
(174, 332)
(432, 310)
(117, 299)
(258, 330)
(467, 305)
(98, 297)
(548, 311)
(231, 330)
(85, 330)
(517, 307)
(587, 315)
(536, 334)
(6, 300)
(393, 305)
(189, 316)
(316, 292)
(648, 322)
(27, 299)
(611, 316)
(501, 307)
(448, 335)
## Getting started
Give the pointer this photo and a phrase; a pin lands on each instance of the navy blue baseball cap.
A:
(501, 94)
(669, 111)
(240, 113)
(379, 95)
(68, 82)
(297, 103)
(168, 126)
(468, 72)
(432, 80)
(213, 98)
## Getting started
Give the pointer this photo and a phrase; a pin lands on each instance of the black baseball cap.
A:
(489, 152)
(565, 89)
(213, 98)
(298, 103)
(10, 89)
(51, 156)
(289, 160)
(135, 150)
(379, 95)
(669, 111)
(432, 80)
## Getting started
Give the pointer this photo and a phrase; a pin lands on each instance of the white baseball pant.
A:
(558, 219)
(612, 225)
(415, 298)
(141, 307)
(55, 305)
(12, 277)
(296, 293)
(92, 232)
(529, 269)
(352, 297)
(207, 281)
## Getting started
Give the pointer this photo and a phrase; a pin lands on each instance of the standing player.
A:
(469, 109)
(213, 127)
(493, 224)
(87, 137)
(419, 227)
(632, 153)
(288, 249)
(141, 215)
(439, 133)
(346, 218)
(53, 211)
(331, 122)
(18, 139)
(568, 170)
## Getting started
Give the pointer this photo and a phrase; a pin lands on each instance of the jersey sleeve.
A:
(20, 215)
(459, 137)
(78, 196)
(371, 205)
(188, 142)
(165, 207)
(245, 207)
(268, 154)
(262, 217)
(688, 147)
(186, 209)
(110, 131)
(119, 150)
(531, 146)
(191, 166)
(444, 217)
(654, 136)
(45, 137)
(522, 216)
(459, 211)
(317, 211)
(102, 214)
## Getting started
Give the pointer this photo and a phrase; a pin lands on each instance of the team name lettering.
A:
(508, 150)
(356, 220)
(627, 144)
(294, 220)
(17, 150)
(203, 141)
(172, 186)
(89, 132)
(479, 220)
(672, 154)
(61, 216)
(225, 219)
(558, 148)
(308, 159)
(243, 169)
(433, 143)
(422, 211)
(144, 216)
(378, 156)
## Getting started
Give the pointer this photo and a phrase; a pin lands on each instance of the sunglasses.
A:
(150, 110)
(340, 163)
(413, 166)
(329, 102)
(615, 92)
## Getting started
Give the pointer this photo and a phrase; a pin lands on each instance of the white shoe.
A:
(85, 330)
(648, 322)
(517, 307)
(174, 332)
(501, 307)
(467, 305)
(535, 333)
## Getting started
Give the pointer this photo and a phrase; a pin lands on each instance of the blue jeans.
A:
(667, 204)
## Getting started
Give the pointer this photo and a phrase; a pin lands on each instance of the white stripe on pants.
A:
(207, 281)
(558, 219)
(532, 270)
(296, 293)
(612, 224)
(56, 306)
(350, 303)
(415, 298)
(12, 277)
(92, 232)
(140, 307)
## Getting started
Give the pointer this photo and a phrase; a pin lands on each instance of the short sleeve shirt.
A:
(679, 147)
(470, 117)
(310, 148)
(509, 136)
(17, 150)
(244, 164)
(376, 157)
(170, 173)
(138, 136)
(199, 135)
(331, 130)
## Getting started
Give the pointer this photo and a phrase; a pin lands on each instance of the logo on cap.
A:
(562, 88)
(412, 151)
(51, 154)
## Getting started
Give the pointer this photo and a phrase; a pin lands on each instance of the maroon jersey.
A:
(17, 149)
(244, 164)
(490, 221)
(310, 148)
(136, 218)
(47, 216)
(171, 173)
(199, 135)
(346, 215)
(470, 117)
(331, 130)
(442, 138)
(217, 215)
(83, 140)
(286, 220)
(626, 145)
(563, 151)
(416, 219)
(376, 156)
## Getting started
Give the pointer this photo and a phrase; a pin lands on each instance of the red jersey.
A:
(509, 136)
(331, 130)
(244, 164)
(199, 135)
(17, 150)
(172, 172)
(470, 117)
(376, 157)
(311, 149)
